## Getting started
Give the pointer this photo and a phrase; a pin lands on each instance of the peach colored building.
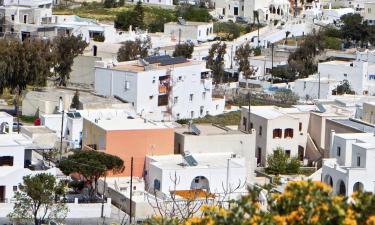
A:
(128, 137)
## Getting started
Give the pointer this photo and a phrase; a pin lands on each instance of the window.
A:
(180, 78)
(251, 126)
(345, 74)
(203, 95)
(157, 184)
(134, 188)
(163, 100)
(217, 107)
(338, 151)
(15, 188)
(175, 100)
(196, 180)
(151, 97)
(6, 161)
(191, 97)
(277, 133)
(12, 17)
(229, 6)
(127, 85)
(287, 153)
(288, 133)
(201, 110)
(153, 81)
(300, 126)
(178, 116)
(260, 130)
(242, 8)
(259, 155)
(235, 11)
(358, 160)
(192, 114)
(24, 18)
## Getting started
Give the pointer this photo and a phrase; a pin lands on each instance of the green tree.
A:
(185, 49)
(139, 15)
(91, 165)
(65, 50)
(121, 3)
(193, 13)
(285, 96)
(109, 3)
(242, 58)
(286, 74)
(353, 28)
(215, 60)
(38, 200)
(343, 88)
(277, 162)
(132, 50)
(75, 101)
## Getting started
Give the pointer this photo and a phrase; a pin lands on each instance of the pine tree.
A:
(139, 15)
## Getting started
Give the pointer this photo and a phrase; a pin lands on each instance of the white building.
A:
(350, 167)
(208, 138)
(16, 161)
(163, 85)
(278, 127)
(314, 88)
(190, 31)
(369, 13)
(212, 172)
(268, 10)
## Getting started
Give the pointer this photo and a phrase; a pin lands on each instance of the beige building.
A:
(207, 138)
(278, 127)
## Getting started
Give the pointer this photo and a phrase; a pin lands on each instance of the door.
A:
(2, 193)
(235, 11)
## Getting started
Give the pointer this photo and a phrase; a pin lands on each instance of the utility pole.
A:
(249, 123)
(272, 48)
(61, 134)
(319, 86)
(131, 191)
(179, 36)
(103, 196)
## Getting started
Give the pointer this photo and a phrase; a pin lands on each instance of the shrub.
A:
(99, 38)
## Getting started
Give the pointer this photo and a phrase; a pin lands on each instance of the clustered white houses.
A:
(350, 167)
(268, 10)
(24, 19)
(359, 74)
(175, 88)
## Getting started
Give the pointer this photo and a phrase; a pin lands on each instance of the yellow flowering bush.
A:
(303, 202)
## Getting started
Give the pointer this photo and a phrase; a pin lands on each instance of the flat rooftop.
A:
(357, 125)
(136, 66)
(204, 161)
(14, 140)
(190, 23)
(38, 129)
(206, 130)
(363, 139)
(126, 123)
(273, 112)
(5, 114)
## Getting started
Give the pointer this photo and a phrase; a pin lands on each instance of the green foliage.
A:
(28, 119)
(99, 38)
(343, 88)
(284, 73)
(227, 30)
(215, 60)
(75, 101)
(302, 202)
(286, 96)
(332, 43)
(133, 17)
(65, 50)
(121, 3)
(242, 58)
(257, 51)
(36, 200)
(185, 49)
(91, 165)
(110, 3)
(131, 50)
(353, 28)
(280, 163)
(226, 119)
(193, 13)
(76, 185)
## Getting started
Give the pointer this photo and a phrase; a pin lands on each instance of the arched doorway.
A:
(341, 188)
(328, 180)
(200, 182)
(358, 186)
